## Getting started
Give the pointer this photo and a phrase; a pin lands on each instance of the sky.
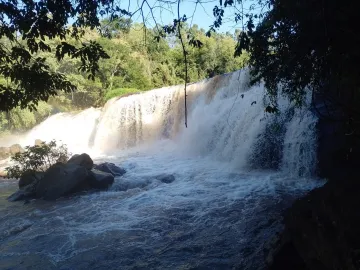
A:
(200, 14)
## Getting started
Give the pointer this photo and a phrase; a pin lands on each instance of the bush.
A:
(37, 158)
(117, 92)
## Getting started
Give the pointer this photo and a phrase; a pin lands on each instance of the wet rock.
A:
(17, 196)
(25, 193)
(4, 152)
(61, 179)
(322, 230)
(166, 178)
(16, 148)
(30, 177)
(83, 160)
(100, 180)
(110, 168)
(338, 146)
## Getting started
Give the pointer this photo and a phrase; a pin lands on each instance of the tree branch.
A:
(185, 60)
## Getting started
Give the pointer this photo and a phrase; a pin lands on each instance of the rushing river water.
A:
(235, 167)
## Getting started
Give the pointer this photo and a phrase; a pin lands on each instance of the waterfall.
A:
(73, 129)
(226, 122)
(235, 169)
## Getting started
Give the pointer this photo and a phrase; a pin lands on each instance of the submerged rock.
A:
(100, 180)
(61, 179)
(166, 178)
(322, 230)
(25, 193)
(82, 160)
(110, 168)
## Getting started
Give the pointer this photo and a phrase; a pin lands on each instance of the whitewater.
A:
(236, 169)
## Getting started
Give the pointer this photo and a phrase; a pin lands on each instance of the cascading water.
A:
(73, 129)
(236, 168)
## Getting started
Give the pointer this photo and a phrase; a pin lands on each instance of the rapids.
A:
(236, 168)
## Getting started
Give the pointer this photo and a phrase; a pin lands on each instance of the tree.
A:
(307, 45)
(25, 30)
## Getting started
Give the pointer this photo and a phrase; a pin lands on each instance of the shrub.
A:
(37, 158)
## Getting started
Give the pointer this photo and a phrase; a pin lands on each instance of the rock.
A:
(61, 179)
(100, 180)
(82, 160)
(29, 177)
(16, 148)
(3, 173)
(166, 178)
(17, 196)
(110, 168)
(322, 230)
(4, 152)
(38, 142)
(25, 193)
(338, 147)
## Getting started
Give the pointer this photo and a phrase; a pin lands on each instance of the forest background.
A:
(136, 64)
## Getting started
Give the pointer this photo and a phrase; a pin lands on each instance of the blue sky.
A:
(203, 16)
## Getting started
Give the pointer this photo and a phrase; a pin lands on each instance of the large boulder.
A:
(338, 145)
(4, 152)
(61, 179)
(16, 148)
(30, 177)
(100, 180)
(83, 160)
(110, 168)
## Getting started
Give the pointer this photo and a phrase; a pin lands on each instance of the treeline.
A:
(136, 63)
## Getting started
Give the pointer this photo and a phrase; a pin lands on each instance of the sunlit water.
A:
(223, 208)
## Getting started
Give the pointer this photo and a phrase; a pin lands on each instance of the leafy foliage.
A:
(26, 28)
(37, 158)
(299, 46)
(19, 120)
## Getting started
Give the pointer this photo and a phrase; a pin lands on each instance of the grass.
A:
(118, 92)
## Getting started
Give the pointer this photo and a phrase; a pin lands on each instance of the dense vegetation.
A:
(136, 63)
(294, 46)
(307, 45)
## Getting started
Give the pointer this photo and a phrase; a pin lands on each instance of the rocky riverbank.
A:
(322, 229)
